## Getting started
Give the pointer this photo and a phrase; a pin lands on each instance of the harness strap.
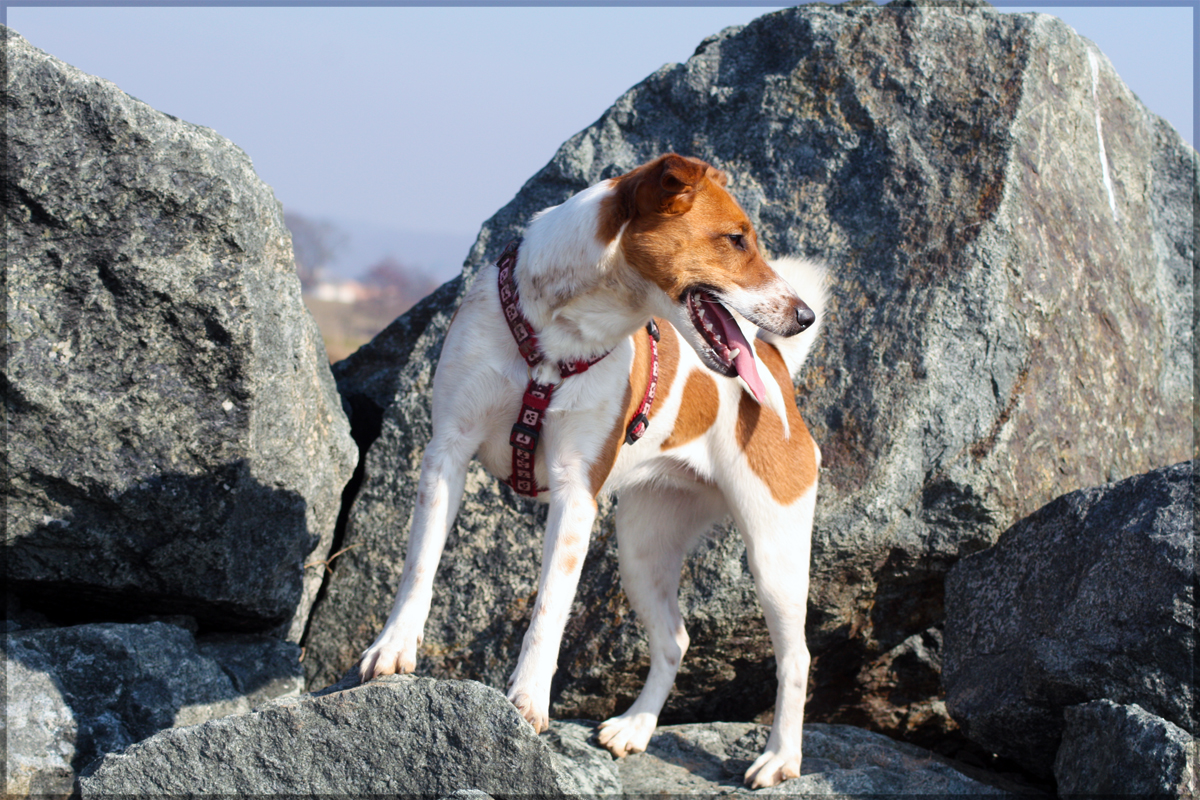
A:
(528, 427)
(641, 419)
(524, 437)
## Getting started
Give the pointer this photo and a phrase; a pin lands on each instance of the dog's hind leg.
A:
(777, 549)
(655, 528)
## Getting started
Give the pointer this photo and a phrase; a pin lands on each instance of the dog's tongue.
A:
(745, 367)
(744, 361)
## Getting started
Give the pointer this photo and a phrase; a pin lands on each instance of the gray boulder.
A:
(710, 759)
(74, 694)
(1092, 597)
(396, 736)
(993, 266)
(421, 737)
(1110, 749)
(176, 444)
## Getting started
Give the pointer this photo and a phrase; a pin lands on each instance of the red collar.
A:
(528, 428)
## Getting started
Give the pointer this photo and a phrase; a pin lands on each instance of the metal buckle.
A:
(632, 434)
(523, 438)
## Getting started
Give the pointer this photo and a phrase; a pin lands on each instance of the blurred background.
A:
(390, 134)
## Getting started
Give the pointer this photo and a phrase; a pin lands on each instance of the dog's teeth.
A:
(734, 353)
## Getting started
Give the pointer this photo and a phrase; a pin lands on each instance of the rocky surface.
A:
(1109, 749)
(77, 693)
(176, 444)
(710, 759)
(1092, 597)
(1010, 233)
(422, 737)
(398, 735)
(591, 768)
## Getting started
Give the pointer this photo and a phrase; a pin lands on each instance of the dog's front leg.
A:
(572, 512)
(439, 492)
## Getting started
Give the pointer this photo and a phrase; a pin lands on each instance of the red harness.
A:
(528, 428)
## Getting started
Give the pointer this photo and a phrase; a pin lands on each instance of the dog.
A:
(664, 244)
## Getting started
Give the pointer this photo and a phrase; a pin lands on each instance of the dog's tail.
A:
(810, 280)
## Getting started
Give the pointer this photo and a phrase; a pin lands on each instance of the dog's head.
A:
(683, 232)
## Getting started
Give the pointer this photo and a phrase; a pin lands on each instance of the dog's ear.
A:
(666, 185)
(670, 187)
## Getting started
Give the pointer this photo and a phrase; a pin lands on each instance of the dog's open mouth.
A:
(727, 352)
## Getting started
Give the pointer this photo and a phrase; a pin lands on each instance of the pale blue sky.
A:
(432, 118)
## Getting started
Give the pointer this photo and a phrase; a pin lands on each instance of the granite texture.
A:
(74, 694)
(1109, 749)
(175, 443)
(399, 735)
(1091, 598)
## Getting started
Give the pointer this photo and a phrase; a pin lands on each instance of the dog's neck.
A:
(576, 290)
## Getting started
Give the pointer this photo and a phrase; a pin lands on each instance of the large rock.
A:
(397, 736)
(426, 738)
(76, 693)
(1012, 243)
(1092, 597)
(175, 441)
(710, 760)
(1109, 749)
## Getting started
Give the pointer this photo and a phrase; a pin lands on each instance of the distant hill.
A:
(358, 277)
(345, 327)
(439, 255)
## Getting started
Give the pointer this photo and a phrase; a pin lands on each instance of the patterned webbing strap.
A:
(528, 427)
(524, 438)
(522, 331)
(641, 419)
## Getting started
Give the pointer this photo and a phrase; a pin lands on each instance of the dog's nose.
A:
(805, 317)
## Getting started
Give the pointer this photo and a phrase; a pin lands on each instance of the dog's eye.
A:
(737, 240)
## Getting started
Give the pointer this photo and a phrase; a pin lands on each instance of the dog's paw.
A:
(628, 733)
(772, 768)
(390, 655)
(534, 713)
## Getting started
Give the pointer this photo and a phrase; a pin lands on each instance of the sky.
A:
(430, 119)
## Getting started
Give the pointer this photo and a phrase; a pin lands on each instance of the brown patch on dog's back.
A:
(598, 472)
(635, 390)
(787, 466)
(697, 410)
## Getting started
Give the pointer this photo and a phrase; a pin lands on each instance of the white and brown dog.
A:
(665, 241)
